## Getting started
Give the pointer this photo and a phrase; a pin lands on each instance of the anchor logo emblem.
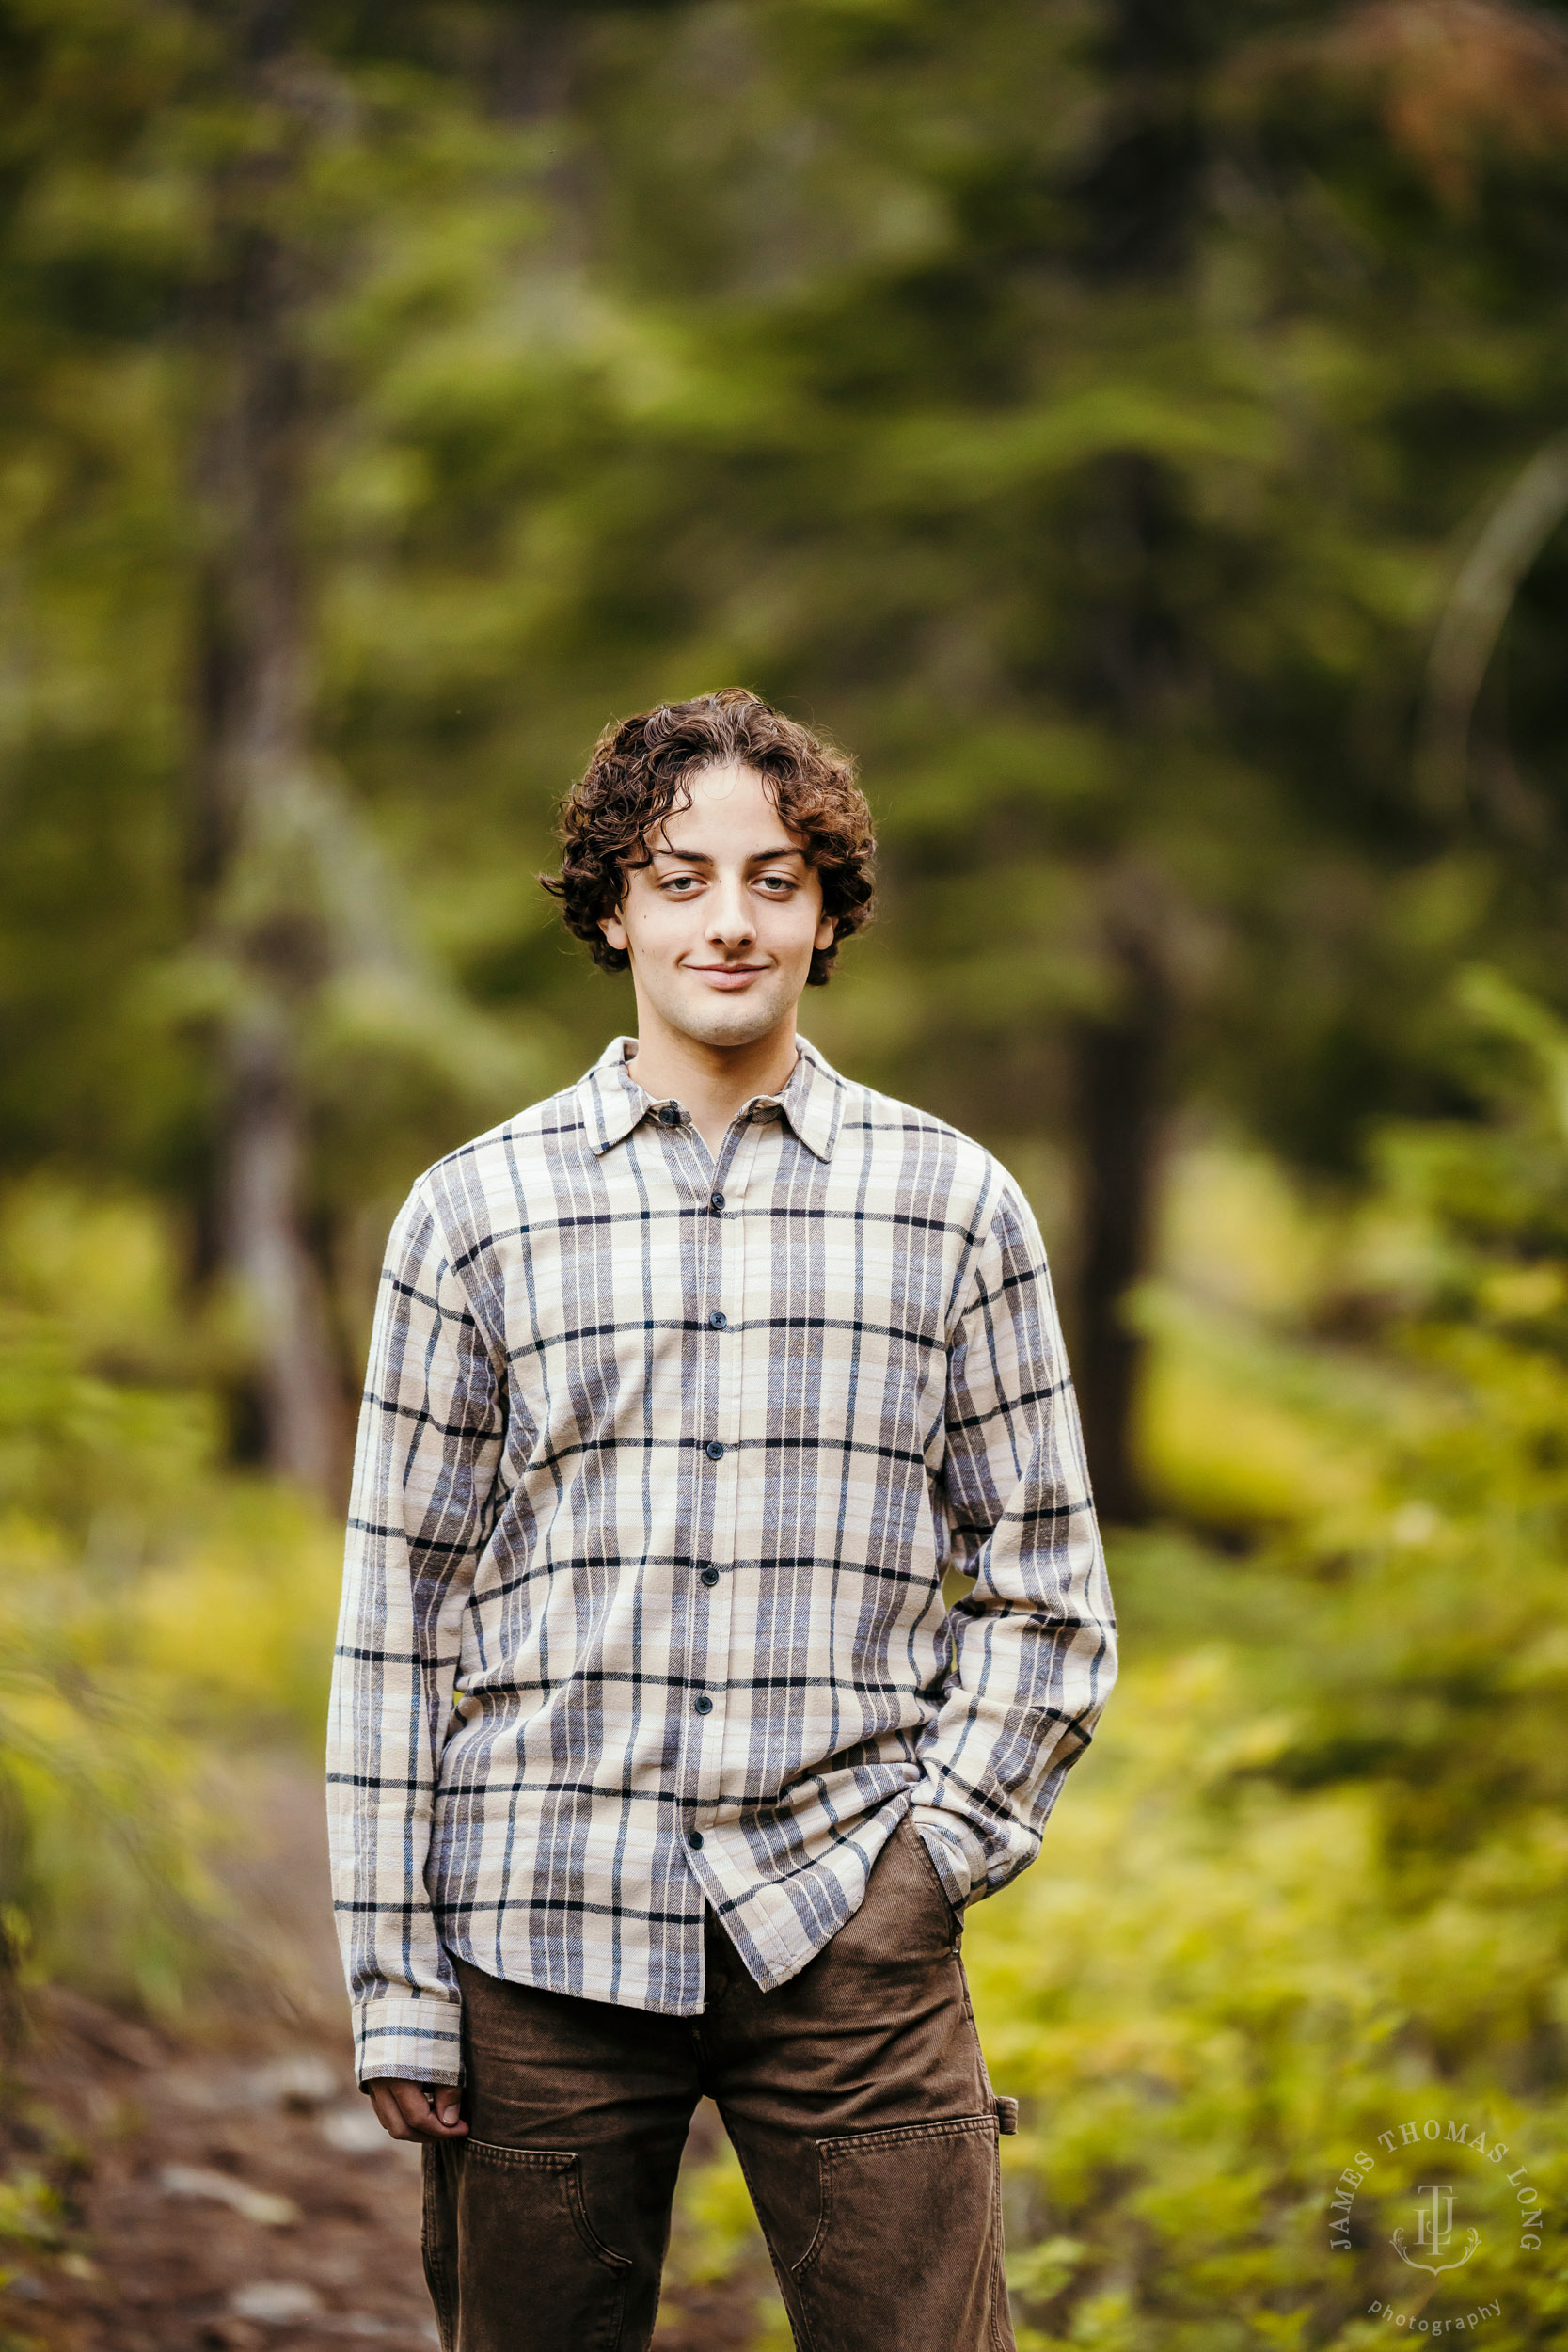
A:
(1435, 2233)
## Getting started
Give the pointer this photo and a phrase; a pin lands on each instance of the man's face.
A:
(722, 924)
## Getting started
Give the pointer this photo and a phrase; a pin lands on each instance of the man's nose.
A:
(729, 914)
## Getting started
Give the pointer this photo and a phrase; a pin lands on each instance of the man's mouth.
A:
(727, 977)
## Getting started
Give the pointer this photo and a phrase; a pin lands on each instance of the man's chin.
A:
(729, 1020)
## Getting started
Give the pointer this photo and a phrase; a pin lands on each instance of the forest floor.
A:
(228, 2189)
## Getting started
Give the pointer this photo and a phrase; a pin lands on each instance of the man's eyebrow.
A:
(705, 857)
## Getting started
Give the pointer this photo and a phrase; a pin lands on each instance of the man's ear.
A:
(826, 931)
(615, 932)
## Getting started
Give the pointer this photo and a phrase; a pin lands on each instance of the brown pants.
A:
(855, 2095)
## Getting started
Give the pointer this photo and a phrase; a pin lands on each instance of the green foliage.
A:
(655, 346)
(1309, 1886)
(147, 1599)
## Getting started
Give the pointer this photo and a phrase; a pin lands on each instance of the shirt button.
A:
(694, 1838)
(715, 1450)
(711, 1576)
(669, 1116)
(703, 1704)
(716, 1201)
(718, 1320)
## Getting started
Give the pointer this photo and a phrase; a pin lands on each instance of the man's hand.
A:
(408, 2110)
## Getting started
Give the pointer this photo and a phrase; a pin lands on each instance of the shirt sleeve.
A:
(430, 1430)
(1033, 1646)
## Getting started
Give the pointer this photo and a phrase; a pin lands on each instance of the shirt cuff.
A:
(957, 1853)
(417, 2039)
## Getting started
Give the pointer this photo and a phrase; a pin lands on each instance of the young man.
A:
(658, 1766)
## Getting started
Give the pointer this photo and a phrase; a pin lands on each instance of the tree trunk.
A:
(253, 743)
(300, 1392)
(1139, 203)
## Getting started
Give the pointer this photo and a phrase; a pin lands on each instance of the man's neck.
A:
(713, 1081)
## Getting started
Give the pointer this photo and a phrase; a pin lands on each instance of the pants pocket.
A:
(954, 1918)
(512, 2261)
(908, 2250)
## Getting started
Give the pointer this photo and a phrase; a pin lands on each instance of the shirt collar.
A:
(812, 1099)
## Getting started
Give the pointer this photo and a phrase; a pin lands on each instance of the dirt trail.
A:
(232, 2192)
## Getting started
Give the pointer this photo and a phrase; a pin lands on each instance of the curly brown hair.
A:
(642, 769)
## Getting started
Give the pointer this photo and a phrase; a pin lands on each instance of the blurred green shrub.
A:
(1309, 1885)
(148, 1594)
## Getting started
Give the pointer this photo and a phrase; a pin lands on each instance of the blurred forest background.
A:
(1139, 429)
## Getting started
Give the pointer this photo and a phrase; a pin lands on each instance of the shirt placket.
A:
(723, 1391)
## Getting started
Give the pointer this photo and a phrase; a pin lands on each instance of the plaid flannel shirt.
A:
(660, 1466)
